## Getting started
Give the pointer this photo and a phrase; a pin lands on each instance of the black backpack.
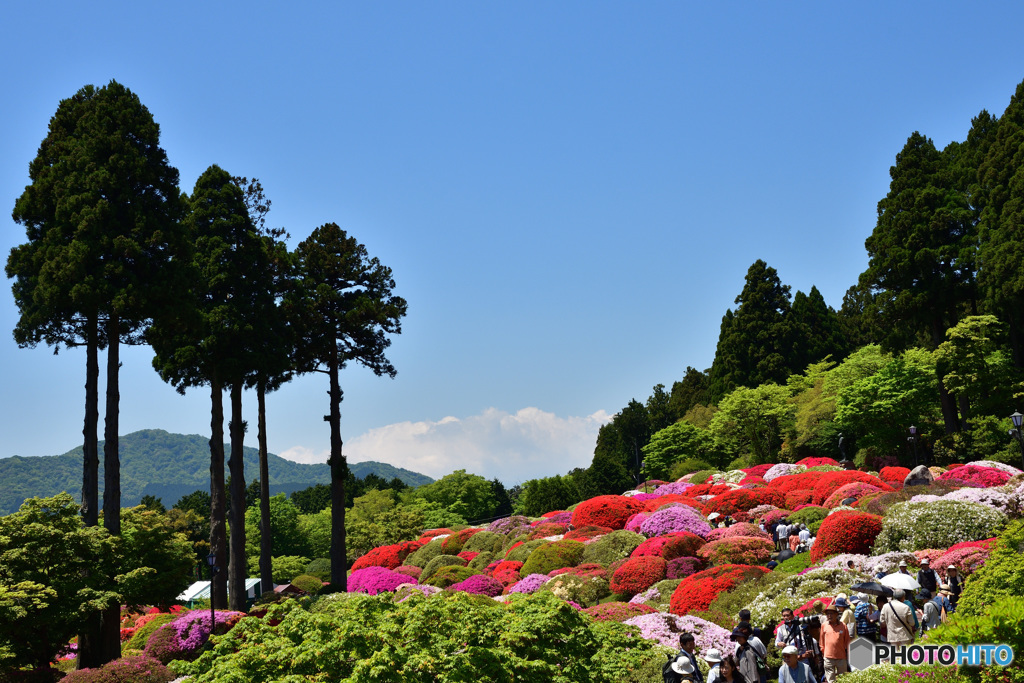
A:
(667, 674)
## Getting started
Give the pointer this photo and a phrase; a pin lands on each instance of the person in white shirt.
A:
(805, 535)
(714, 659)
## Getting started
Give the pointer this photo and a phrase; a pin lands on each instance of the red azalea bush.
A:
(798, 498)
(738, 529)
(810, 607)
(655, 504)
(468, 555)
(607, 511)
(552, 513)
(758, 470)
(618, 611)
(987, 544)
(387, 556)
(548, 529)
(817, 462)
(846, 531)
(741, 500)
(585, 570)
(681, 567)
(741, 516)
(856, 490)
(794, 482)
(637, 574)
(985, 477)
(587, 533)
(431, 533)
(894, 476)
(748, 480)
(504, 565)
(831, 481)
(737, 550)
(707, 490)
(695, 593)
(670, 546)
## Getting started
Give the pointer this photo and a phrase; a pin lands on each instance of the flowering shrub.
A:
(846, 532)
(798, 498)
(681, 567)
(1009, 469)
(453, 544)
(994, 498)
(708, 490)
(660, 501)
(738, 529)
(831, 481)
(548, 529)
(434, 533)
(761, 510)
(609, 511)
(753, 481)
(374, 580)
(633, 523)
(677, 488)
(638, 574)
(794, 482)
(407, 591)
(554, 513)
(553, 556)
(674, 520)
(799, 588)
(585, 570)
(581, 590)
(611, 547)
(410, 571)
(467, 555)
(425, 554)
(695, 593)
(979, 476)
(758, 470)
(737, 550)
(187, 634)
(743, 499)
(448, 576)
(387, 556)
(478, 584)
(664, 629)
(730, 477)
(670, 546)
(967, 560)
(774, 516)
(587, 533)
(894, 476)
(618, 611)
(780, 470)
(940, 524)
(138, 669)
(509, 525)
(817, 462)
(529, 584)
(856, 490)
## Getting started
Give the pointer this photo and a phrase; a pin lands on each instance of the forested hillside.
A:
(167, 466)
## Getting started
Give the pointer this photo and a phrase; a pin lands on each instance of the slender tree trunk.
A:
(950, 417)
(237, 565)
(266, 549)
(89, 638)
(218, 536)
(339, 472)
(111, 616)
(965, 410)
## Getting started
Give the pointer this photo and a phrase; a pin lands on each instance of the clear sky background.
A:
(569, 193)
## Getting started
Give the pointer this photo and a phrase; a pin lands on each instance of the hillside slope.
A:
(165, 465)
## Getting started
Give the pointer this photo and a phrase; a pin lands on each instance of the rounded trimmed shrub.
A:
(737, 550)
(553, 555)
(583, 590)
(320, 568)
(608, 511)
(637, 574)
(681, 567)
(846, 531)
(374, 580)
(425, 554)
(521, 551)
(438, 562)
(479, 584)
(696, 593)
(671, 546)
(308, 584)
(938, 524)
(611, 547)
(829, 482)
(618, 611)
(675, 519)
(448, 576)
(485, 542)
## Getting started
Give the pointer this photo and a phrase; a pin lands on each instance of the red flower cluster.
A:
(670, 546)
(737, 550)
(758, 470)
(585, 570)
(741, 500)
(795, 482)
(774, 516)
(586, 533)
(548, 529)
(753, 480)
(507, 572)
(637, 574)
(467, 555)
(795, 499)
(681, 567)
(513, 547)
(807, 608)
(856, 489)
(707, 490)
(817, 462)
(409, 570)
(695, 593)
(607, 511)
(987, 544)
(552, 513)
(846, 531)
(655, 503)
(387, 556)
(617, 611)
(985, 477)
(830, 481)
(894, 476)
(430, 533)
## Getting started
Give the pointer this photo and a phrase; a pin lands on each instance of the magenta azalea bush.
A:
(673, 519)
(508, 525)
(634, 522)
(979, 476)
(479, 584)
(681, 567)
(676, 487)
(374, 580)
(186, 635)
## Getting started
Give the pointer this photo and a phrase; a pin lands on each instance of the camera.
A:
(797, 621)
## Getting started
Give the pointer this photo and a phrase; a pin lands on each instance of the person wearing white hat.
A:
(714, 659)
(792, 669)
(683, 667)
(903, 568)
(928, 577)
(955, 583)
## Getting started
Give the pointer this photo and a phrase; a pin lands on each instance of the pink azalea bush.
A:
(674, 519)
(681, 567)
(739, 529)
(374, 580)
(967, 560)
(676, 487)
(479, 584)
(664, 629)
(979, 476)
(737, 550)
(186, 635)
(782, 469)
(529, 584)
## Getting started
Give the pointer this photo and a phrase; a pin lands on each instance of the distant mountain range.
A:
(167, 466)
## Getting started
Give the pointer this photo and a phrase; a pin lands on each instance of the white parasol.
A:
(900, 581)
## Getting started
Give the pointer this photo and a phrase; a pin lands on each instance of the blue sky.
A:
(569, 193)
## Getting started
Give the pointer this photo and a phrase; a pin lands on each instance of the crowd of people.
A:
(815, 647)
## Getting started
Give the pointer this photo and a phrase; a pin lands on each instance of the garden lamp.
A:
(1016, 418)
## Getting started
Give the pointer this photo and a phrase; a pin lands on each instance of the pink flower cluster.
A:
(979, 476)
(529, 584)
(676, 487)
(664, 629)
(373, 580)
(673, 519)
(479, 584)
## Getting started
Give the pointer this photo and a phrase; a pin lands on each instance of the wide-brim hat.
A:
(840, 602)
(737, 632)
(835, 608)
(712, 656)
(682, 665)
(952, 566)
(903, 563)
(944, 588)
(925, 561)
(790, 650)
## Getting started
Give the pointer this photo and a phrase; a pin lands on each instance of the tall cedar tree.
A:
(691, 390)
(756, 343)
(274, 366)
(817, 330)
(921, 253)
(102, 217)
(215, 341)
(1001, 192)
(342, 308)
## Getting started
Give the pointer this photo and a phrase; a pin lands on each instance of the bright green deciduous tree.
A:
(377, 519)
(675, 443)
(286, 535)
(467, 495)
(753, 423)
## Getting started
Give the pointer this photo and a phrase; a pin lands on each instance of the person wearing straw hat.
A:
(835, 644)
(714, 659)
(792, 669)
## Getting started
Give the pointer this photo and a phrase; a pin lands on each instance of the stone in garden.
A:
(919, 476)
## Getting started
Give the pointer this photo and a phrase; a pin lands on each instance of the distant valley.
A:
(164, 465)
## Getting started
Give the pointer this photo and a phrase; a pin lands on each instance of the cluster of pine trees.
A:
(945, 277)
(117, 254)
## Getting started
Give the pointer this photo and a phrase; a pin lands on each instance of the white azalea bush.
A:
(730, 477)
(796, 590)
(914, 526)
(781, 469)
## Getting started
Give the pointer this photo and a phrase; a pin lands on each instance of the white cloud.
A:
(511, 446)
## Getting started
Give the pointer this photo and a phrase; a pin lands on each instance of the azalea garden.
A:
(601, 591)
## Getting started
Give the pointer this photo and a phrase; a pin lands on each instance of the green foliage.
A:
(283, 569)
(442, 639)
(286, 537)
(522, 552)
(794, 565)
(142, 634)
(611, 547)
(468, 495)
(435, 515)
(484, 541)
(480, 562)
(438, 562)
(552, 556)
(449, 576)
(424, 555)
(679, 442)
(811, 516)
(376, 519)
(316, 530)
(754, 422)
(539, 496)
(1001, 622)
(320, 568)
(687, 466)
(310, 584)
(1001, 576)
(312, 499)
(583, 590)
(154, 561)
(973, 364)
(688, 393)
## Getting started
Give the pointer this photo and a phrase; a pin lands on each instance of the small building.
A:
(200, 590)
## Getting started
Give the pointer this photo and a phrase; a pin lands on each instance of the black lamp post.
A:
(913, 442)
(1016, 431)
(211, 560)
